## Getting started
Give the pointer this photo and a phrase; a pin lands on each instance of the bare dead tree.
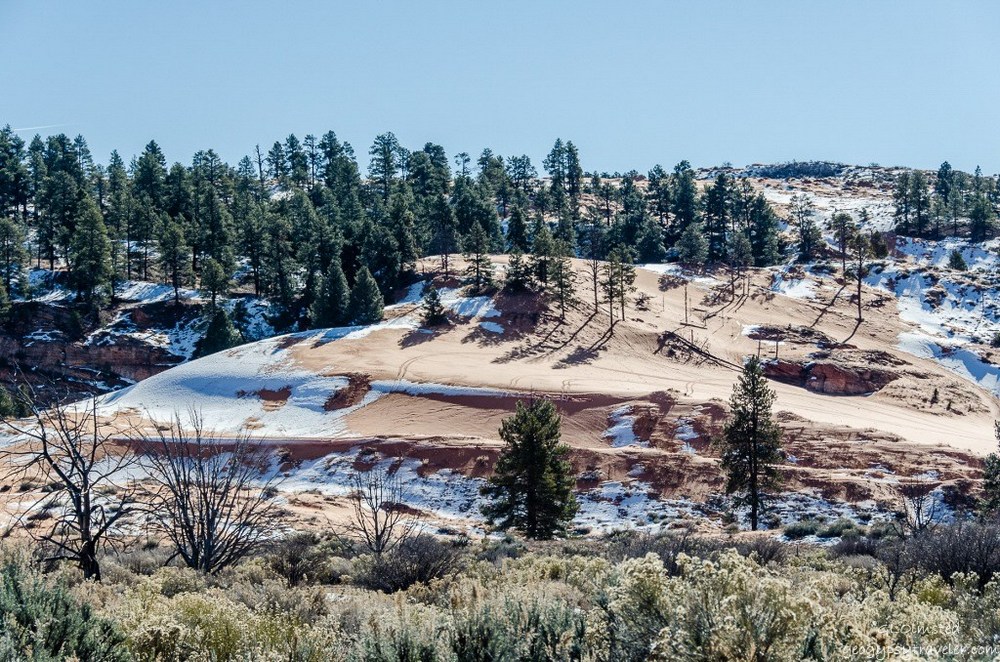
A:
(211, 497)
(87, 476)
(378, 519)
(922, 509)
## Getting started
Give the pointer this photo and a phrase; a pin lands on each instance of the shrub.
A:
(802, 528)
(420, 559)
(837, 529)
(957, 262)
(43, 619)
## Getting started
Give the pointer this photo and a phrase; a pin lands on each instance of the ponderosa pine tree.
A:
(332, 308)
(989, 502)
(432, 310)
(13, 256)
(90, 252)
(542, 250)
(175, 257)
(531, 489)
(366, 299)
(751, 442)
(692, 248)
(444, 241)
(480, 268)
(518, 277)
(214, 279)
(563, 277)
(517, 229)
(219, 335)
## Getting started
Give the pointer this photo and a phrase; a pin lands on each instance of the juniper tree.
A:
(366, 299)
(432, 310)
(531, 489)
(751, 442)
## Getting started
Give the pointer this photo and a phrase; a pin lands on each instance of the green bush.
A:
(40, 621)
(802, 529)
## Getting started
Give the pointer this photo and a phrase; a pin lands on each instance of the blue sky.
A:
(632, 84)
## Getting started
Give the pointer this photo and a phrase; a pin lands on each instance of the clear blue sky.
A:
(632, 84)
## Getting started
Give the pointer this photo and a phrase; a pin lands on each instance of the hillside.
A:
(640, 404)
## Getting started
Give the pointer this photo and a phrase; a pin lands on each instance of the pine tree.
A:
(444, 241)
(214, 279)
(433, 312)
(4, 303)
(13, 257)
(989, 503)
(956, 261)
(531, 489)
(542, 248)
(517, 229)
(220, 334)
(651, 242)
(366, 299)
(332, 308)
(563, 278)
(692, 248)
(740, 257)
(518, 277)
(480, 268)
(175, 257)
(751, 442)
(90, 252)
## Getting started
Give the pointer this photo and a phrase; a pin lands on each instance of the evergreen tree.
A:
(542, 249)
(445, 238)
(843, 231)
(90, 252)
(214, 279)
(651, 242)
(810, 239)
(717, 216)
(956, 261)
(13, 257)
(989, 503)
(433, 312)
(563, 277)
(751, 442)
(480, 269)
(740, 257)
(518, 277)
(517, 229)
(692, 249)
(4, 303)
(683, 198)
(220, 334)
(332, 308)
(366, 299)
(175, 257)
(384, 163)
(531, 489)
